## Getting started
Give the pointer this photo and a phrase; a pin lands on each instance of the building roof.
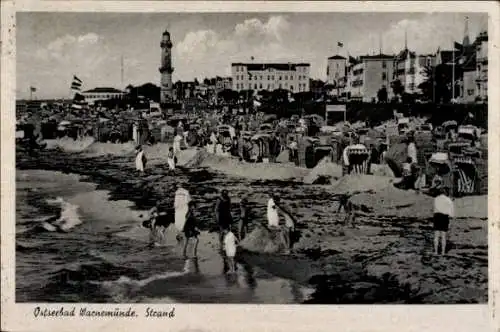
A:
(103, 90)
(376, 57)
(265, 66)
(336, 57)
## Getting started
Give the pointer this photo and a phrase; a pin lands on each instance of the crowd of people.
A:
(281, 223)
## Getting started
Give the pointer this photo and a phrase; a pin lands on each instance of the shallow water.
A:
(103, 254)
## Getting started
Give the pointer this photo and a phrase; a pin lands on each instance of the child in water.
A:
(230, 248)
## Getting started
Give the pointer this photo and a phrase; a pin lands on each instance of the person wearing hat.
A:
(443, 211)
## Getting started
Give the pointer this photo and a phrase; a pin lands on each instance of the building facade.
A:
(368, 75)
(482, 66)
(93, 95)
(411, 70)
(270, 76)
(166, 69)
(223, 83)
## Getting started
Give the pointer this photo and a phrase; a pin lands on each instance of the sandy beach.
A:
(385, 258)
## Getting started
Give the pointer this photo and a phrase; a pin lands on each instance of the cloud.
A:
(209, 53)
(67, 45)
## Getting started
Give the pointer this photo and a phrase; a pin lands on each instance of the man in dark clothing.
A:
(223, 214)
(190, 230)
(243, 223)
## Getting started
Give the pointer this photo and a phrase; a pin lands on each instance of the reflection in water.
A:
(247, 272)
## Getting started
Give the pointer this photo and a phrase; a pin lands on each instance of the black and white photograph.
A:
(249, 157)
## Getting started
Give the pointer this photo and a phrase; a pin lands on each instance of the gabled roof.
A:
(104, 90)
(336, 57)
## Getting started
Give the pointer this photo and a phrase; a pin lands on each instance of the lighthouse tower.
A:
(166, 70)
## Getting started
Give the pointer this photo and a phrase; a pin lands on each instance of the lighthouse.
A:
(166, 70)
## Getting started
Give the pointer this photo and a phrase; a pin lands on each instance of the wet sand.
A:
(383, 259)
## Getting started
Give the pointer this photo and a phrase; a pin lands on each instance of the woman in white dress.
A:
(181, 201)
(140, 160)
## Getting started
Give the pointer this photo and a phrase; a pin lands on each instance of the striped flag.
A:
(340, 44)
(32, 89)
(76, 84)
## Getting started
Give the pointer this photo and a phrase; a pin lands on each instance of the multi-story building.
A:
(223, 83)
(270, 76)
(411, 69)
(482, 66)
(368, 75)
(336, 75)
(93, 95)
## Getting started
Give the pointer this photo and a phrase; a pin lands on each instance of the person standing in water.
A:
(443, 211)
(190, 230)
(230, 249)
(223, 214)
(181, 202)
(243, 223)
(140, 160)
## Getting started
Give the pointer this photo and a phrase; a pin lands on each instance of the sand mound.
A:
(324, 169)
(391, 201)
(102, 149)
(68, 144)
(283, 157)
(357, 183)
(382, 170)
(197, 159)
(262, 240)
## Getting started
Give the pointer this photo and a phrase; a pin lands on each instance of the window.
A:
(255, 86)
(268, 77)
(291, 87)
(286, 84)
(280, 78)
(384, 65)
(286, 78)
(384, 76)
(272, 77)
(268, 86)
(260, 87)
(280, 86)
(327, 70)
(260, 77)
(337, 65)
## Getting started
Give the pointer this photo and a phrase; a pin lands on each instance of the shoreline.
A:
(379, 260)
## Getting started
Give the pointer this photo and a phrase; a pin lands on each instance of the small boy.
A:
(171, 158)
(443, 211)
(230, 248)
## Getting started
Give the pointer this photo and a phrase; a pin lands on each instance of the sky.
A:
(52, 47)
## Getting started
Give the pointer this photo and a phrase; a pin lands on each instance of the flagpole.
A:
(453, 75)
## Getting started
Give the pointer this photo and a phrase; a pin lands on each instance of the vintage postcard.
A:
(233, 166)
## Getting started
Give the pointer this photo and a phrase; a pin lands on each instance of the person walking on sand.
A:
(171, 159)
(243, 223)
(230, 243)
(181, 201)
(190, 230)
(140, 160)
(223, 214)
(443, 211)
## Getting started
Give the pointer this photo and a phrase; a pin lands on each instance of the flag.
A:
(32, 89)
(340, 44)
(76, 84)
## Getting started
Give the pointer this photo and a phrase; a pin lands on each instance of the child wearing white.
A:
(230, 248)
(443, 211)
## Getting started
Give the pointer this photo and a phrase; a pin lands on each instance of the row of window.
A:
(101, 96)
(300, 69)
(301, 86)
(269, 77)
(356, 83)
